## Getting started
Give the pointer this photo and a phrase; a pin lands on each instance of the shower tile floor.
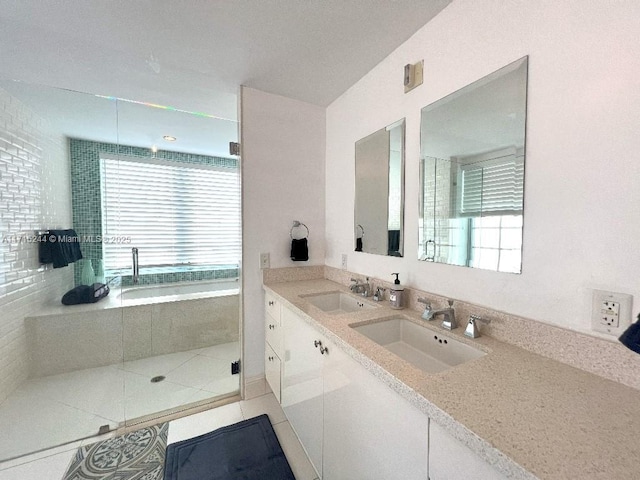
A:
(48, 411)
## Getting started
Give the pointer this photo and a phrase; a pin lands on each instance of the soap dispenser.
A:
(395, 293)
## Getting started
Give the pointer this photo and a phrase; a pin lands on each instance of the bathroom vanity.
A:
(503, 413)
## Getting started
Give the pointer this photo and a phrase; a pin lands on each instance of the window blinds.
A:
(175, 213)
(492, 187)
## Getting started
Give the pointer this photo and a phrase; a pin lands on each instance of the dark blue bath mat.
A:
(248, 450)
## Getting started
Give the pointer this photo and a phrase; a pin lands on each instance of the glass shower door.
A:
(175, 196)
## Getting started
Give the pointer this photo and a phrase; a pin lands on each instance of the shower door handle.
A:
(136, 269)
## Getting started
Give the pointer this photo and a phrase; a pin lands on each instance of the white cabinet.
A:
(302, 384)
(451, 460)
(351, 425)
(272, 370)
(369, 430)
(274, 346)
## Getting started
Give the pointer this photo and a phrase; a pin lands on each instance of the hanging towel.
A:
(60, 247)
(299, 250)
(359, 244)
(394, 243)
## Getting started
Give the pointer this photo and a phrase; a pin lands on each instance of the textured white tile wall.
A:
(35, 194)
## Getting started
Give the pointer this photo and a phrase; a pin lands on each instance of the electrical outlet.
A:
(264, 260)
(611, 312)
(344, 261)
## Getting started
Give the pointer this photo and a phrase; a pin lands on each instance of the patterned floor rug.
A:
(137, 455)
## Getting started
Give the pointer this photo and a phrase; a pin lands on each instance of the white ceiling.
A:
(194, 54)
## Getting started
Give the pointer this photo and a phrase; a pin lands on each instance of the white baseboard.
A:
(255, 387)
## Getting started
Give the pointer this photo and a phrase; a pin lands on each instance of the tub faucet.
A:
(449, 322)
(136, 269)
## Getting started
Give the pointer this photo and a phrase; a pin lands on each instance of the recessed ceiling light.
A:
(169, 138)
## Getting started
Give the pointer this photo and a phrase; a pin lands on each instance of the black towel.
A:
(359, 244)
(299, 250)
(394, 242)
(85, 294)
(631, 336)
(60, 247)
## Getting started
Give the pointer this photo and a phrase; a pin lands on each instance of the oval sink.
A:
(428, 350)
(337, 302)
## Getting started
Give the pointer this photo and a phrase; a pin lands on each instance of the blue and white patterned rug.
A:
(137, 455)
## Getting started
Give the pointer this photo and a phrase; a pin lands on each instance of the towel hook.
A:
(297, 224)
(361, 228)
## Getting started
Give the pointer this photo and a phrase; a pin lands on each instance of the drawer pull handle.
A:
(271, 359)
(271, 327)
(317, 343)
(271, 302)
(324, 350)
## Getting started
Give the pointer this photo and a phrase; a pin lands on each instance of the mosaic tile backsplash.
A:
(87, 212)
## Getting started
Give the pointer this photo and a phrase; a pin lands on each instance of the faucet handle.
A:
(450, 302)
(473, 330)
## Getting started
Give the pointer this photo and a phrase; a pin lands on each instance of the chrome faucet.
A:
(136, 269)
(427, 308)
(449, 322)
(363, 288)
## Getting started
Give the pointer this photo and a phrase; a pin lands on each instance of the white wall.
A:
(582, 199)
(35, 194)
(283, 144)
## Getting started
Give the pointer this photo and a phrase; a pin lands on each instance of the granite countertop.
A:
(529, 416)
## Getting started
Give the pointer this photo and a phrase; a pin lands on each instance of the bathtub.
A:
(134, 323)
(171, 292)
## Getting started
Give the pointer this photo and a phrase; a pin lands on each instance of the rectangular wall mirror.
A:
(472, 173)
(379, 203)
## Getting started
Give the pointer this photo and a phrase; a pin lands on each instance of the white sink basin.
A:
(338, 302)
(423, 348)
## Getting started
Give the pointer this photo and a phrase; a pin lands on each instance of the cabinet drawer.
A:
(272, 370)
(272, 306)
(273, 334)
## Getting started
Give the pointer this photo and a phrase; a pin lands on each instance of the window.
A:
(491, 198)
(496, 242)
(491, 187)
(181, 216)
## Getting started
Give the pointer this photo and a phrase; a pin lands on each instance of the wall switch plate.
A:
(610, 312)
(264, 260)
(344, 261)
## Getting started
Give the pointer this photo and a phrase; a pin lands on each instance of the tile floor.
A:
(52, 464)
(52, 410)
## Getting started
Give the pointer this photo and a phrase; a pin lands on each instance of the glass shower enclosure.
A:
(157, 221)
